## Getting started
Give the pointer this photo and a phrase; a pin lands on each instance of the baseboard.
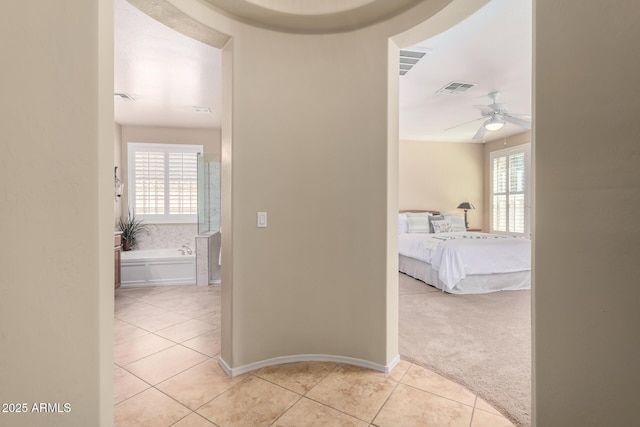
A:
(232, 372)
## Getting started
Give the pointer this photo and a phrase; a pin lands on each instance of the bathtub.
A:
(153, 267)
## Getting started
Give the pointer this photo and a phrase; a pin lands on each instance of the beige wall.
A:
(56, 201)
(497, 145)
(586, 251)
(208, 138)
(314, 281)
(440, 176)
(314, 145)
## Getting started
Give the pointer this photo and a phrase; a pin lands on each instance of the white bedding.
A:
(456, 255)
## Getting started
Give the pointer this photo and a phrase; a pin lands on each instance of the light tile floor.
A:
(166, 373)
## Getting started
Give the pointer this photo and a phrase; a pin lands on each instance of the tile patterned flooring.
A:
(166, 374)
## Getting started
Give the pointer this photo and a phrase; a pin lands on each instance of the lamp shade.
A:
(466, 205)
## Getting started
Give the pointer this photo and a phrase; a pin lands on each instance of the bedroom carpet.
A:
(480, 341)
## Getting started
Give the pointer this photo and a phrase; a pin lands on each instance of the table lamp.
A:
(466, 206)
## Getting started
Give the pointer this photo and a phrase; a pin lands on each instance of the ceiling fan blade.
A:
(480, 133)
(516, 121)
(465, 123)
(522, 116)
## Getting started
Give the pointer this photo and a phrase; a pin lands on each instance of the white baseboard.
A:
(232, 372)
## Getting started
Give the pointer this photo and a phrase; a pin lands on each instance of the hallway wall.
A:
(586, 152)
(56, 210)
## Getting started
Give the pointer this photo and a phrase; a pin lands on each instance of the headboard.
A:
(419, 211)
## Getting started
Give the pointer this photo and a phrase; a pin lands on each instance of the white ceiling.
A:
(167, 74)
(491, 48)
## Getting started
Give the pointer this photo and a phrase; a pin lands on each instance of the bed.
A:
(438, 250)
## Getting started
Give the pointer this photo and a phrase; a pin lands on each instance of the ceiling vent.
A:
(123, 96)
(202, 110)
(455, 88)
(410, 57)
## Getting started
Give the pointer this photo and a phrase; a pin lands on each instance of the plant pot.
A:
(127, 245)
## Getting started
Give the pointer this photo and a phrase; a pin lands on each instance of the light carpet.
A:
(480, 341)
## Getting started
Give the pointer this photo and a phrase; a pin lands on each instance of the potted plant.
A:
(131, 229)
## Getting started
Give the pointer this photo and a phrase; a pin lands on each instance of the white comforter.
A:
(456, 255)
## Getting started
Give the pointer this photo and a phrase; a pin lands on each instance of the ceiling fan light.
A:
(494, 124)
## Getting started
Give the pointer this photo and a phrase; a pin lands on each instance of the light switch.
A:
(262, 219)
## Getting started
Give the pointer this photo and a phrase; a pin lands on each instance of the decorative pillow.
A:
(418, 222)
(441, 226)
(403, 224)
(434, 218)
(457, 221)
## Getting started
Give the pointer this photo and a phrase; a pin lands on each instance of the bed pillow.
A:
(434, 218)
(457, 221)
(441, 226)
(418, 222)
(403, 224)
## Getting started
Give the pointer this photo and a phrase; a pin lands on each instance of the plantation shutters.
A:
(163, 181)
(510, 177)
(149, 183)
(183, 183)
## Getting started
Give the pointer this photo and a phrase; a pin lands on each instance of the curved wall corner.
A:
(310, 136)
(239, 370)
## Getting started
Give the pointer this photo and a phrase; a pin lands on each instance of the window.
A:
(163, 181)
(509, 202)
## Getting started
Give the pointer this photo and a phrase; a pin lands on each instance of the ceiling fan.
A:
(496, 115)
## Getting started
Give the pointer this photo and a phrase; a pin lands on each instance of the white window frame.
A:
(526, 150)
(167, 217)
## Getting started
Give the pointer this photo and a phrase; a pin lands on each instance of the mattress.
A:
(466, 262)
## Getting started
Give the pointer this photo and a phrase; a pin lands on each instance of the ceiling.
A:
(167, 74)
(311, 16)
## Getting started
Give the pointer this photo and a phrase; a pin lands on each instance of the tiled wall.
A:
(168, 236)
(207, 259)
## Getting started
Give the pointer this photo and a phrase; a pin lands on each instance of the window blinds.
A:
(499, 195)
(509, 191)
(183, 183)
(163, 179)
(516, 193)
(149, 182)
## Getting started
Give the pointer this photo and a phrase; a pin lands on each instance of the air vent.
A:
(410, 57)
(455, 88)
(123, 96)
(202, 110)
